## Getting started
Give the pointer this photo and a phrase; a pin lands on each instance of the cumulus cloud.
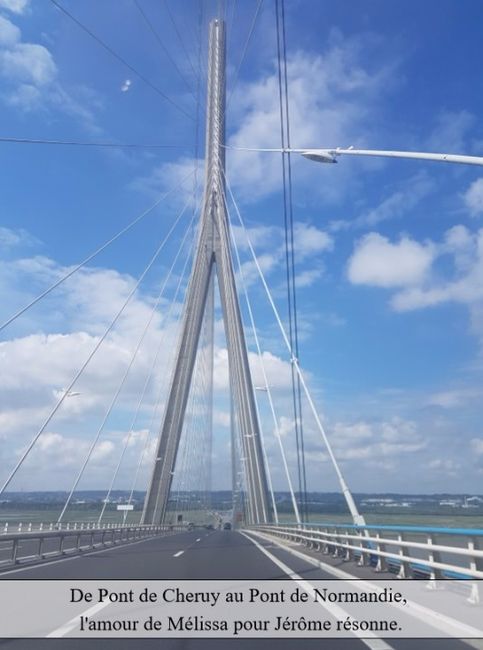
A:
(180, 173)
(451, 132)
(408, 267)
(467, 285)
(455, 398)
(29, 64)
(398, 203)
(378, 262)
(477, 446)
(15, 6)
(13, 238)
(473, 198)
(310, 243)
(331, 96)
(30, 76)
(360, 446)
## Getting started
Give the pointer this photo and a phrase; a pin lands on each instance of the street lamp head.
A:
(320, 155)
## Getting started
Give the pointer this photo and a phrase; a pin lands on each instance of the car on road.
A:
(227, 525)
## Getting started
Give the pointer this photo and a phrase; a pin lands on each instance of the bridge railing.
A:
(408, 551)
(28, 527)
(35, 545)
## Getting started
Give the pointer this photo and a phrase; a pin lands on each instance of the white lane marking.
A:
(452, 627)
(70, 625)
(337, 612)
(74, 622)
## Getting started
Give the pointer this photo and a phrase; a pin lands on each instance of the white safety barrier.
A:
(57, 539)
(409, 551)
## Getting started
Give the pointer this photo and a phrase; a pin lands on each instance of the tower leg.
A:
(213, 250)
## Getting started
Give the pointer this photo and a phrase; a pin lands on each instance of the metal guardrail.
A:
(409, 551)
(68, 525)
(36, 545)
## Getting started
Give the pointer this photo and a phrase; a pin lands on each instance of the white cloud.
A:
(447, 466)
(450, 132)
(180, 173)
(310, 240)
(28, 63)
(377, 441)
(359, 445)
(455, 398)
(10, 238)
(54, 446)
(398, 203)
(466, 287)
(308, 277)
(269, 244)
(9, 33)
(378, 262)
(278, 371)
(333, 97)
(15, 6)
(30, 77)
(477, 446)
(473, 198)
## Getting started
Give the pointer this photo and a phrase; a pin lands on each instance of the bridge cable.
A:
(153, 312)
(191, 461)
(198, 109)
(192, 470)
(241, 379)
(276, 429)
(265, 459)
(232, 18)
(163, 47)
(117, 56)
(166, 319)
(259, 352)
(81, 143)
(244, 52)
(180, 38)
(93, 255)
(90, 356)
(289, 246)
(292, 253)
(119, 388)
(358, 519)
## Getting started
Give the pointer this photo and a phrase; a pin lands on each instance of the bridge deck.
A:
(198, 554)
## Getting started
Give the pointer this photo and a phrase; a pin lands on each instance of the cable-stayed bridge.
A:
(178, 534)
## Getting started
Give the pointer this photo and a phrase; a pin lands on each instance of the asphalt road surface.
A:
(195, 555)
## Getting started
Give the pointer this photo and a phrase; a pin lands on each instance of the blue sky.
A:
(389, 254)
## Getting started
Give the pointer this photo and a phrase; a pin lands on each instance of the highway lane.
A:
(194, 555)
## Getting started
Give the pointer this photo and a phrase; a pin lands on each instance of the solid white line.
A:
(70, 625)
(452, 627)
(178, 554)
(337, 612)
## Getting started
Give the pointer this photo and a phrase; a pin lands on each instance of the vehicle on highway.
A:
(227, 525)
